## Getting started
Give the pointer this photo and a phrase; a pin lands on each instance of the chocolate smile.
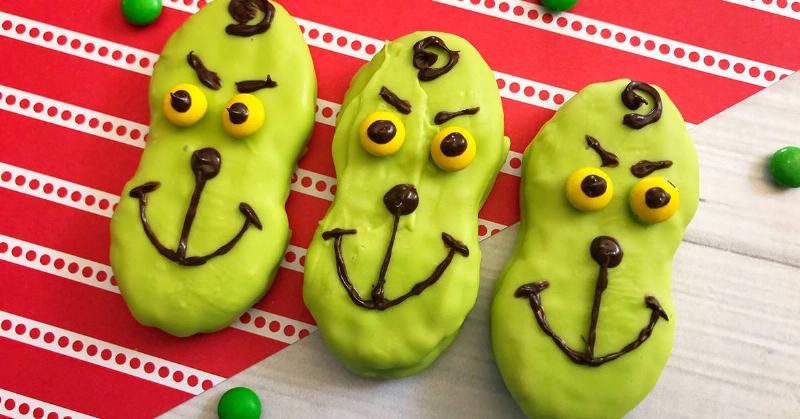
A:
(400, 200)
(206, 164)
(608, 254)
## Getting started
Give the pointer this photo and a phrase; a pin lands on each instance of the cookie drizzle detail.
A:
(402, 106)
(400, 200)
(445, 116)
(424, 60)
(609, 159)
(209, 78)
(633, 101)
(206, 164)
(243, 11)
(250, 86)
(646, 167)
(607, 252)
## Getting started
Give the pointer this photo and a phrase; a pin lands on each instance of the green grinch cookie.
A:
(582, 318)
(201, 228)
(393, 269)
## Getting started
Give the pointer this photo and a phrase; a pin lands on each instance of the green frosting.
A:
(404, 339)
(184, 300)
(553, 245)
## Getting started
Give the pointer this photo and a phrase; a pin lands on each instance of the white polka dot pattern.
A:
(87, 272)
(513, 165)
(74, 43)
(18, 406)
(626, 39)
(105, 354)
(788, 8)
(327, 112)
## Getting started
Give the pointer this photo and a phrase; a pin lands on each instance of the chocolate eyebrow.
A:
(445, 116)
(646, 167)
(250, 86)
(609, 159)
(402, 106)
(209, 78)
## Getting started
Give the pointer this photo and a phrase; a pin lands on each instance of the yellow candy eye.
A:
(589, 189)
(184, 104)
(382, 134)
(654, 200)
(453, 149)
(243, 115)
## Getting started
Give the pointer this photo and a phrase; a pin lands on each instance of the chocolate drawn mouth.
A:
(206, 164)
(607, 252)
(400, 200)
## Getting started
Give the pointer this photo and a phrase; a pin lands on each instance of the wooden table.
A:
(736, 287)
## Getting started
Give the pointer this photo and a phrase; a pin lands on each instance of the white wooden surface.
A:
(736, 287)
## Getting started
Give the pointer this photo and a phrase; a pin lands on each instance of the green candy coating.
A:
(404, 339)
(239, 403)
(785, 166)
(256, 170)
(141, 12)
(554, 245)
(559, 5)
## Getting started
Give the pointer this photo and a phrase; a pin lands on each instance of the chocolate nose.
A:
(206, 163)
(401, 199)
(606, 251)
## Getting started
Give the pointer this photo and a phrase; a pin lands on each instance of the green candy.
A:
(554, 245)
(141, 12)
(407, 337)
(559, 5)
(252, 179)
(239, 403)
(785, 166)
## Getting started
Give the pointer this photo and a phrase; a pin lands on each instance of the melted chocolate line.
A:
(646, 167)
(250, 86)
(533, 290)
(633, 101)
(402, 106)
(424, 60)
(140, 193)
(202, 173)
(607, 253)
(609, 159)
(445, 116)
(379, 301)
(243, 11)
(209, 78)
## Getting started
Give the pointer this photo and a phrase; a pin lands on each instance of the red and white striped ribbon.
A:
(98, 275)
(788, 8)
(105, 354)
(628, 40)
(16, 405)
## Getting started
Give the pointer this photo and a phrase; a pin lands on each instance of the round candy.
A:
(589, 189)
(141, 12)
(785, 166)
(654, 199)
(239, 403)
(382, 133)
(243, 115)
(453, 149)
(559, 5)
(184, 104)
